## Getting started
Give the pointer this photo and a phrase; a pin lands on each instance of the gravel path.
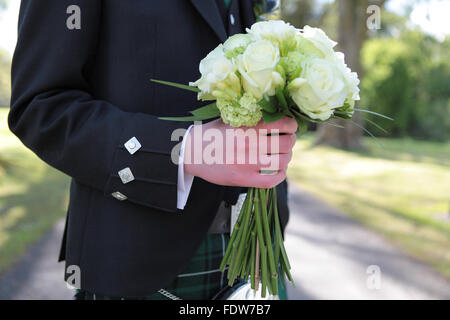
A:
(334, 257)
(38, 275)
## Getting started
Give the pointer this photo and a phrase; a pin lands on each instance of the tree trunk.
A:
(298, 13)
(351, 35)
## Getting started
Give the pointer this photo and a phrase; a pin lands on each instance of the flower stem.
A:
(226, 259)
(266, 228)
(260, 234)
(256, 271)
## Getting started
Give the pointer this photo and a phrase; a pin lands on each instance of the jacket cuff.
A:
(142, 170)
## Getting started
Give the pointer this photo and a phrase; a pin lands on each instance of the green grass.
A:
(400, 189)
(32, 196)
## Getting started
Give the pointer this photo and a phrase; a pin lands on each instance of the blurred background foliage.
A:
(5, 68)
(5, 78)
(408, 79)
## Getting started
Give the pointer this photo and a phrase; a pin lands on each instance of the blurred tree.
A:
(408, 79)
(297, 12)
(305, 12)
(5, 78)
(5, 81)
(5, 91)
(5, 69)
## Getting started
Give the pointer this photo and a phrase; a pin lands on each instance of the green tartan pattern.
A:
(201, 280)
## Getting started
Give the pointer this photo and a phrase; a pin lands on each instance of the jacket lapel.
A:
(209, 11)
(247, 13)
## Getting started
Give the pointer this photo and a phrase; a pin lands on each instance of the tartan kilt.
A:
(201, 280)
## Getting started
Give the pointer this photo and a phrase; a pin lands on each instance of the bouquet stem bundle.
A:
(256, 249)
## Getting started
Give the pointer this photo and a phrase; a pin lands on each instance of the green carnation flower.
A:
(245, 112)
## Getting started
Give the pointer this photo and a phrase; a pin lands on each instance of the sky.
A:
(431, 16)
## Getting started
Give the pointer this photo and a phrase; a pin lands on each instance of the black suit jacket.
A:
(79, 95)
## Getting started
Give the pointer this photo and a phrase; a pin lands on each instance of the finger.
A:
(269, 181)
(278, 144)
(274, 161)
(284, 125)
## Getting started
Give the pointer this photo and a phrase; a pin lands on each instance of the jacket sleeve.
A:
(55, 115)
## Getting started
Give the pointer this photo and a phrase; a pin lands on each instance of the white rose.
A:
(257, 68)
(236, 44)
(320, 88)
(351, 78)
(274, 30)
(323, 46)
(215, 68)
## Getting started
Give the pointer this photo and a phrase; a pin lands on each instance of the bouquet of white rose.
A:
(272, 71)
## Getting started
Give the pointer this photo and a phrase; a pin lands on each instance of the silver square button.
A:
(132, 145)
(119, 196)
(126, 175)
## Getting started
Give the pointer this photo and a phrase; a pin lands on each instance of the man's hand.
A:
(240, 154)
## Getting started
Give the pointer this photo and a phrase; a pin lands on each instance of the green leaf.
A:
(209, 111)
(281, 98)
(295, 113)
(203, 113)
(183, 119)
(367, 131)
(271, 117)
(374, 113)
(176, 85)
(302, 126)
(268, 104)
(343, 115)
(328, 122)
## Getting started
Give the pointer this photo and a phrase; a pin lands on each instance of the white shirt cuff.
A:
(184, 179)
